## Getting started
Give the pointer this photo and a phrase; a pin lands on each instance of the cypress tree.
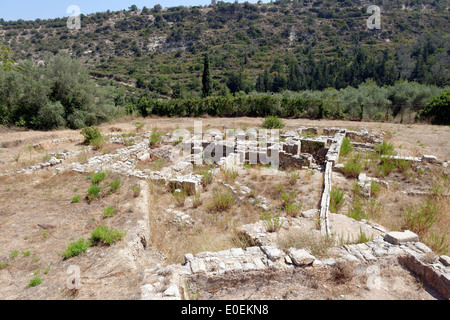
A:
(206, 80)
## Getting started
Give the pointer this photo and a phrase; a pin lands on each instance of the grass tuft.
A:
(75, 248)
(104, 236)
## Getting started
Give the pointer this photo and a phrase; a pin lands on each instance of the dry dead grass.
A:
(318, 246)
(211, 232)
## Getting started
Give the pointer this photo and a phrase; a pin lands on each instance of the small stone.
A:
(188, 257)
(313, 213)
(172, 291)
(287, 259)
(198, 266)
(222, 268)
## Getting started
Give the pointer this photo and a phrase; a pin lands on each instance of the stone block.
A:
(300, 257)
(445, 260)
(397, 237)
(272, 252)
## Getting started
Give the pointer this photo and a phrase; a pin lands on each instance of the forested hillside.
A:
(292, 46)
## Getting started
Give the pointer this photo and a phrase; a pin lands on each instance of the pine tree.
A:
(206, 80)
(259, 85)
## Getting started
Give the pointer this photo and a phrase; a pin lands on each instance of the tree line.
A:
(55, 93)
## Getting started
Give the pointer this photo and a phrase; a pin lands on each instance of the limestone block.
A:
(397, 237)
(300, 257)
(445, 260)
(272, 252)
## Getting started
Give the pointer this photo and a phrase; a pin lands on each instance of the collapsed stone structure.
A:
(167, 283)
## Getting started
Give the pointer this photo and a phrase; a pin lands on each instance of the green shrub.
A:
(385, 149)
(207, 177)
(356, 210)
(230, 175)
(272, 223)
(139, 126)
(94, 192)
(155, 139)
(374, 189)
(109, 211)
(97, 143)
(75, 248)
(180, 197)
(336, 199)
(287, 199)
(385, 168)
(26, 253)
(437, 109)
(346, 147)
(91, 134)
(437, 243)
(420, 220)
(76, 199)
(293, 209)
(293, 177)
(104, 235)
(197, 201)
(363, 238)
(388, 165)
(273, 122)
(115, 185)
(353, 167)
(136, 189)
(98, 177)
(35, 281)
(51, 116)
(222, 200)
(403, 165)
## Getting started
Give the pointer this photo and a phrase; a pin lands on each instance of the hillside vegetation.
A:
(295, 49)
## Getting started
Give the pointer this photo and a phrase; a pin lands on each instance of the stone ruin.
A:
(295, 150)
